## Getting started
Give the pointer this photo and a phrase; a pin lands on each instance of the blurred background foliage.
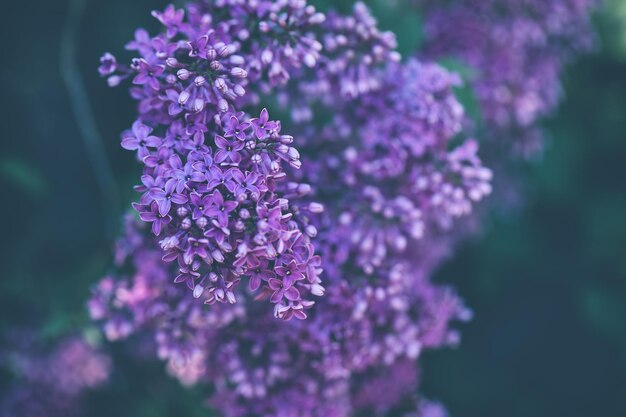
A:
(547, 282)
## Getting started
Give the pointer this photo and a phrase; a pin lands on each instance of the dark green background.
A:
(547, 282)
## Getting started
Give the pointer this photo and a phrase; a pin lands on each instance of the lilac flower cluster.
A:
(518, 49)
(394, 166)
(353, 48)
(50, 383)
(260, 366)
(214, 185)
(226, 196)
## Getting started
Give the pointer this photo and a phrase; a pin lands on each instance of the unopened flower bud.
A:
(185, 224)
(197, 291)
(238, 72)
(202, 222)
(316, 208)
(183, 74)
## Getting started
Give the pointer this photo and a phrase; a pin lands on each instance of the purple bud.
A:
(238, 72)
(197, 291)
(183, 74)
(114, 80)
(239, 90)
(264, 26)
(183, 97)
(215, 65)
(202, 222)
(317, 18)
(222, 105)
(217, 255)
(237, 60)
(267, 56)
(220, 84)
(316, 208)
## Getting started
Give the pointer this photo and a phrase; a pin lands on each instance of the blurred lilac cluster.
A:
(518, 49)
(352, 210)
(327, 365)
(228, 197)
(50, 381)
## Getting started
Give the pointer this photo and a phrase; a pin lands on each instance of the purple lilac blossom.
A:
(50, 383)
(260, 366)
(368, 204)
(214, 185)
(517, 49)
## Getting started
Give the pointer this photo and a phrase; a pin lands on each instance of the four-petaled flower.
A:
(167, 195)
(220, 208)
(171, 18)
(201, 205)
(139, 139)
(184, 174)
(198, 48)
(244, 183)
(233, 127)
(216, 177)
(259, 272)
(196, 144)
(228, 150)
(262, 125)
(148, 74)
(154, 216)
(188, 273)
(159, 161)
(108, 64)
(196, 247)
(290, 273)
(282, 289)
(269, 218)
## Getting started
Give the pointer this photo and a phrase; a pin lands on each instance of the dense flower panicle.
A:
(211, 50)
(518, 50)
(213, 186)
(354, 49)
(355, 53)
(377, 394)
(394, 166)
(364, 197)
(265, 367)
(50, 382)
(387, 389)
(221, 212)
